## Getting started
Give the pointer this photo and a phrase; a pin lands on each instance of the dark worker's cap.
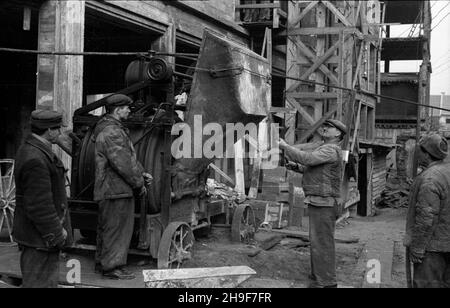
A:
(337, 124)
(435, 145)
(44, 119)
(117, 100)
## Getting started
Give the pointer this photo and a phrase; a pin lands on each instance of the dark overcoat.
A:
(41, 199)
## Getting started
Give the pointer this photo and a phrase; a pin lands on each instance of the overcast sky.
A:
(440, 48)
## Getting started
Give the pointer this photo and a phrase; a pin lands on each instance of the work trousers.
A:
(114, 232)
(40, 268)
(322, 222)
(433, 272)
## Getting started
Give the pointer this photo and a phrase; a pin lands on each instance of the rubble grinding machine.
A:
(231, 84)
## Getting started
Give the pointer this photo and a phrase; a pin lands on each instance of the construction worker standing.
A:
(428, 221)
(322, 176)
(41, 221)
(118, 178)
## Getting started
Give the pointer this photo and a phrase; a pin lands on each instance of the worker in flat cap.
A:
(322, 171)
(428, 222)
(41, 222)
(119, 178)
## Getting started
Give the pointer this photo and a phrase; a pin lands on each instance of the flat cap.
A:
(337, 124)
(117, 100)
(44, 119)
(435, 145)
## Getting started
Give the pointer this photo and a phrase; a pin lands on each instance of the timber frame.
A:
(335, 43)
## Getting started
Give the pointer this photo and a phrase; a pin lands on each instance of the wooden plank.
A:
(302, 15)
(321, 59)
(264, 44)
(222, 174)
(338, 14)
(370, 123)
(357, 123)
(282, 110)
(239, 166)
(60, 78)
(213, 277)
(315, 31)
(304, 236)
(363, 121)
(274, 5)
(301, 110)
(261, 146)
(358, 65)
(308, 53)
(312, 95)
(316, 126)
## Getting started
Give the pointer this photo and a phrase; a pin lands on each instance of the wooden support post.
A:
(60, 78)
(321, 42)
(261, 145)
(239, 167)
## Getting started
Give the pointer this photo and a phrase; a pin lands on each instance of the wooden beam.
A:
(303, 13)
(261, 146)
(239, 166)
(320, 61)
(308, 53)
(358, 65)
(318, 124)
(301, 110)
(222, 174)
(312, 95)
(315, 31)
(355, 132)
(336, 12)
(274, 5)
(60, 78)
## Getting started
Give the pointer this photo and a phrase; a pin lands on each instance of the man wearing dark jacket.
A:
(322, 177)
(428, 221)
(41, 221)
(118, 176)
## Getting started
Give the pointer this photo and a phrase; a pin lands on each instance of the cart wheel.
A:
(175, 246)
(243, 226)
(7, 195)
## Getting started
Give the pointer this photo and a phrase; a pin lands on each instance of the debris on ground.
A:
(396, 195)
(221, 191)
(304, 236)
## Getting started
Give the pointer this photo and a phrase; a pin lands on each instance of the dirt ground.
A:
(287, 264)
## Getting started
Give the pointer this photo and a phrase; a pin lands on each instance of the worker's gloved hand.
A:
(291, 166)
(148, 179)
(415, 255)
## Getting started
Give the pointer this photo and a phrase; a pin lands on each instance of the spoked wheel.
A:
(7, 195)
(243, 226)
(175, 246)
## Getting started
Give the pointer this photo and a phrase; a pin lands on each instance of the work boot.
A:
(126, 272)
(118, 274)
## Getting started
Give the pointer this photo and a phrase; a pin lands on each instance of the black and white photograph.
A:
(224, 150)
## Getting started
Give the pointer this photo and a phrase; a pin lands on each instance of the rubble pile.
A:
(396, 195)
